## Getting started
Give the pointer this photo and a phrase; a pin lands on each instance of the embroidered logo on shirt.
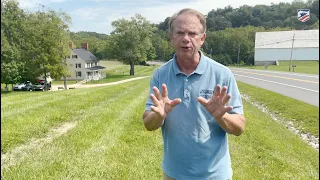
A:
(206, 93)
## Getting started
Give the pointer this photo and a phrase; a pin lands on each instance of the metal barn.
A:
(286, 45)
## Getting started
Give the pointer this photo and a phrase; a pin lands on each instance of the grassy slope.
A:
(308, 67)
(110, 141)
(304, 116)
(120, 72)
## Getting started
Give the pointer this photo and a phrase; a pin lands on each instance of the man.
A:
(196, 102)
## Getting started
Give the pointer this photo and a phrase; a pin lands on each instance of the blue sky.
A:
(97, 15)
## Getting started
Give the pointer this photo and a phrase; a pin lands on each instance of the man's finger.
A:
(226, 99)
(164, 91)
(202, 101)
(156, 92)
(175, 102)
(228, 108)
(224, 91)
(154, 100)
(154, 109)
(217, 90)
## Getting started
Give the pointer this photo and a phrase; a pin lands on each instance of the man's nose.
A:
(185, 38)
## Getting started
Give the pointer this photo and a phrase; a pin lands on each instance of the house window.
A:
(75, 56)
(88, 65)
(96, 63)
(79, 74)
(78, 65)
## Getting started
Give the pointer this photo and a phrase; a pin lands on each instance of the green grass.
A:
(267, 150)
(61, 82)
(110, 64)
(110, 141)
(305, 117)
(3, 87)
(122, 72)
(307, 67)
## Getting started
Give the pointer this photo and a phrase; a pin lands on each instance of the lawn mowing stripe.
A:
(30, 128)
(41, 142)
(92, 125)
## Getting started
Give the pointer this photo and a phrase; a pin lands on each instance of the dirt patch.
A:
(17, 154)
(307, 137)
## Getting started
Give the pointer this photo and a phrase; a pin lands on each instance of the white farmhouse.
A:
(285, 45)
(83, 65)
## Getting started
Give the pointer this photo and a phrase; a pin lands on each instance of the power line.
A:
(278, 42)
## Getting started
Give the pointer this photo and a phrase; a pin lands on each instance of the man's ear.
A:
(171, 37)
(203, 38)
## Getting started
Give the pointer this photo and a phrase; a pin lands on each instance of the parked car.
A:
(40, 87)
(18, 87)
(27, 87)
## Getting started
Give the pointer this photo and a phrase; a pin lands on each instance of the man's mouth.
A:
(186, 47)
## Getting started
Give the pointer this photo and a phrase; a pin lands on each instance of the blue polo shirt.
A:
(195, 146)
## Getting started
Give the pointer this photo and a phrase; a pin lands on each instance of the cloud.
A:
(31, 4)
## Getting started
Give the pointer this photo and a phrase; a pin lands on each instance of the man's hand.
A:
(217, 104)
(162, 104)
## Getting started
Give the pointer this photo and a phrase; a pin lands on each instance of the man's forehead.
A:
(187, 21)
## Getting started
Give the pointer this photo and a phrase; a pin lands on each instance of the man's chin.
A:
(185, 54)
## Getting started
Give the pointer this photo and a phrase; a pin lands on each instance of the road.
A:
(303, 87)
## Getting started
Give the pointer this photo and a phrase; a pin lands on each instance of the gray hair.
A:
(200, 16)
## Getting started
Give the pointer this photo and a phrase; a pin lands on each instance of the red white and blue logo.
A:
(303, 15)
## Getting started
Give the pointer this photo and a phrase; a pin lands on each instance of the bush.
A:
(224, 59)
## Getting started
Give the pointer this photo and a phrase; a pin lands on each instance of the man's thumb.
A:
(175, 102)
(202, 101)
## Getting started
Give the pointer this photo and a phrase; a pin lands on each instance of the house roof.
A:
(95, 68)
(283, 39)
(85, 54)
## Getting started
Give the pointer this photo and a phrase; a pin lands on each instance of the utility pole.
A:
(291, 51)
(238, 54)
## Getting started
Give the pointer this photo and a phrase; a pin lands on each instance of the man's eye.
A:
(179, 33)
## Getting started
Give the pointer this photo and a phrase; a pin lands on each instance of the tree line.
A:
(229, 31)
(33, 44)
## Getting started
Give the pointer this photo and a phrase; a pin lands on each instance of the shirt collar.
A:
(199, 70)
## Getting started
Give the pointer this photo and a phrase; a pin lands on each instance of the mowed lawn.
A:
(107, 139)
(116, 71)
(307, 67)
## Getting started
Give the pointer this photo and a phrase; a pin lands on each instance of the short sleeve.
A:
(235, 101)
(153, 82)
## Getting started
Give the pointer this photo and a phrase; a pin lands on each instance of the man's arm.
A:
(216, 105)
(232, 123)
(162, 106)
(152, 121)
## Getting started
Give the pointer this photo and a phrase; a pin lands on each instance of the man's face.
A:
(187, 35)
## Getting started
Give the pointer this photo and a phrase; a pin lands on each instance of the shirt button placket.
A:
(186, 93)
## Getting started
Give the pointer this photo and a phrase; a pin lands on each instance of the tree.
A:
(131, 40)
(13, 31)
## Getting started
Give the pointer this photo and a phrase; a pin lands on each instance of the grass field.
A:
(305, 117)
(117, 71)
(60, 82)
(107, 139)
(308, 67)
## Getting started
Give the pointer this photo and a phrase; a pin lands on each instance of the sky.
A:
(97, 15)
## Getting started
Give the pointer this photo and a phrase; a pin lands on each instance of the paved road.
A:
(303, 87)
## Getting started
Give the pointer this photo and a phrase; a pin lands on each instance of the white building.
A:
(83, 65)
(278, 46)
